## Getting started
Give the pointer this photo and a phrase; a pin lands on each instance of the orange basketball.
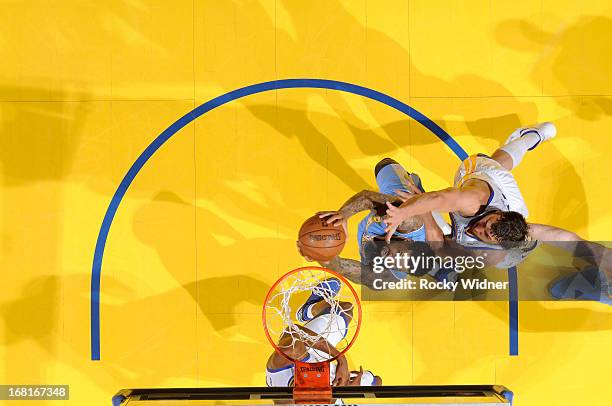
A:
(320, 241)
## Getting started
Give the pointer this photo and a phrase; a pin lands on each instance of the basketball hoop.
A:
(312, 345)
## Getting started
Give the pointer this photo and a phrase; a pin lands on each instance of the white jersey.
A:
(505, 196)
(284, 376)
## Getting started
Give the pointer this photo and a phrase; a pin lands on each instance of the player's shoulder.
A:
(472, 196)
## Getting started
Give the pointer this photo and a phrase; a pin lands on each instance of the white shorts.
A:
(332, 327)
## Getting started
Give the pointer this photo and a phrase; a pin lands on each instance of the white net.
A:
(327, 315)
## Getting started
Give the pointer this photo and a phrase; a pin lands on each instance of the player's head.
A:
(506, 228)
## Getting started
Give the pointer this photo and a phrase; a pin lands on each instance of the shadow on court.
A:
(564, 189)
(134, 329)
(38, 144)
(586, 40)
(220, 250)
(149, 337)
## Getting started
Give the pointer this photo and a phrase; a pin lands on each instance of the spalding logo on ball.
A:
(319, 240)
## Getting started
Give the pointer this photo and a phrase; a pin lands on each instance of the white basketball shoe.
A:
(545, 132)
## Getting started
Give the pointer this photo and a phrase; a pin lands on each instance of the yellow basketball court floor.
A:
(210, 221)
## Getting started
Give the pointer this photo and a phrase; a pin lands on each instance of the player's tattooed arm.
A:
(369, 200)
(349, 268)
(364, 200)
(466, 200)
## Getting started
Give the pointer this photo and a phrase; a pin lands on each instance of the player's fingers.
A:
(389, 235)
(330, 218)
(412, 182)
(390, 231)
(403, 195)
(391, 209)
(357, 373)
(335, 220)
(411, 186)
(323, 214)
(391, 227)
(299, 247)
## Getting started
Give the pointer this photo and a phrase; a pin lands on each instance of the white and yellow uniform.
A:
(505, 195)
(337, 327)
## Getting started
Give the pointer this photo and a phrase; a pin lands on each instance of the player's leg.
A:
(522, 140)
(391, 176)
(589, 284)
(316, 304)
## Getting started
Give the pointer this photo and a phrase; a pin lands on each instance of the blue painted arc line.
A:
(513, 310)
(204, 108)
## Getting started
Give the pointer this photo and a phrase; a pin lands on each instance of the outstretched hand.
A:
(395, 216)
(356, 380)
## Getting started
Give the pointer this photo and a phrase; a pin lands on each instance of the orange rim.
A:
(305, 268)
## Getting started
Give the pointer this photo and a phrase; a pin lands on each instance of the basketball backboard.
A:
(473, 395)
